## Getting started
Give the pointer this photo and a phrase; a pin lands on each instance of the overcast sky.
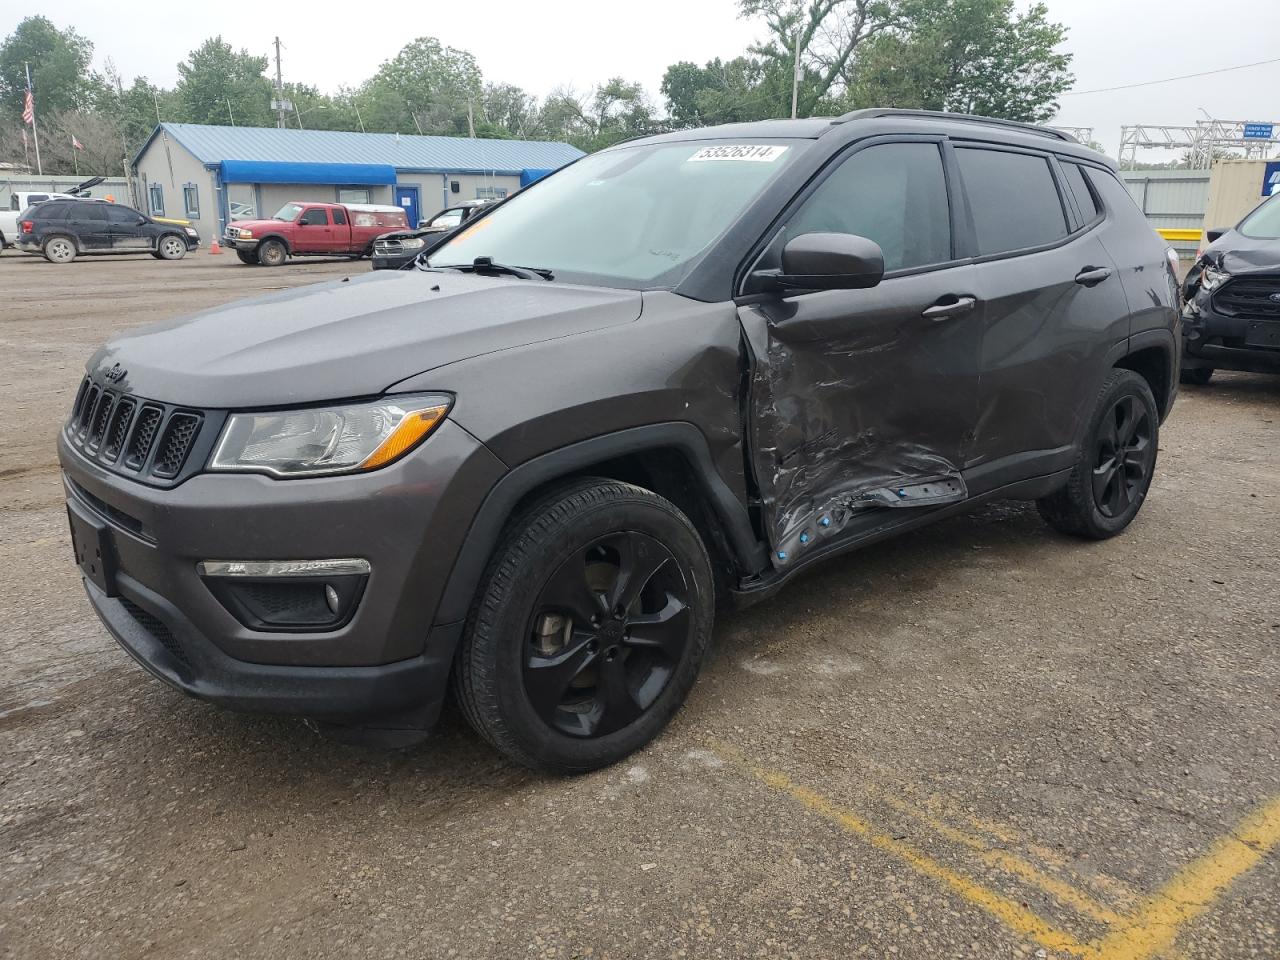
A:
(581, 42)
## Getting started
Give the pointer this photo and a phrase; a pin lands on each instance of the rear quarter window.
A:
(1014, 200)
(1080, 192)
(48, 211)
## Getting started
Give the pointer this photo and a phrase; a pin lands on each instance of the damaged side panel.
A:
(860, 402)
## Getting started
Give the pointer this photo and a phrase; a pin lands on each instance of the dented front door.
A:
(862, 400)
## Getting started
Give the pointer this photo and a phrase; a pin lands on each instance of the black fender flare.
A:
(501, 501)
(1169, 344)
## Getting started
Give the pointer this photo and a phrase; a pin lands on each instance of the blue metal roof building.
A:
(214, 174)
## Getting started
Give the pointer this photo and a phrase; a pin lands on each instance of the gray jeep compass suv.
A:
(677, 372)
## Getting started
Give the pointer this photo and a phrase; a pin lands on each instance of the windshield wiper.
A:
(486, 265)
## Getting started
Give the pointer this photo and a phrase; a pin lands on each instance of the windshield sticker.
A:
(754, 152)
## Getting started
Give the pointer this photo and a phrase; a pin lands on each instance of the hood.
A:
(1236, 253)
(349, 338)
(257, 226)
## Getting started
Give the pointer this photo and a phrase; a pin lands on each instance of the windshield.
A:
(634, 217)
(288, 212)
(1263, 223)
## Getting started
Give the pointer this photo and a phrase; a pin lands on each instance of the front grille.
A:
(144, 439)
(144, 434)
(157, 628)
(119, 430)
(388, 248)
(176, 444)
(1249, 297)
(98, 425)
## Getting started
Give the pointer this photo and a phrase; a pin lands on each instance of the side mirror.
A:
(827, 261)
(1215, 233)
(141, 220)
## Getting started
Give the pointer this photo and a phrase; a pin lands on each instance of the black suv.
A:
(1232, 316)
(64, 229)
(529, 467)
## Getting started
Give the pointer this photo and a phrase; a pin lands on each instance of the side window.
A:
(1114, 194)
(1079, 188)
(191, 200)
(122, 215)
(1014, 200)
(92, 211)
(894, 194)
(340, 217)
(315, 217)
(54, 211)
(156, 191)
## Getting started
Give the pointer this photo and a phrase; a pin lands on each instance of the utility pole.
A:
(359, 119)
(795, 74)
(279, 89)
(471, 122)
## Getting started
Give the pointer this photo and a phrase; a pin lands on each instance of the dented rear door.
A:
(865, 400)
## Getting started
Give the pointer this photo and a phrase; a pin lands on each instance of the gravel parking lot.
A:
(981, 740)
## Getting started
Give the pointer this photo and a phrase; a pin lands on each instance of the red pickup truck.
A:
(301, 229)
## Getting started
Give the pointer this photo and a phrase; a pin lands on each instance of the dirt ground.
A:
(981, 740)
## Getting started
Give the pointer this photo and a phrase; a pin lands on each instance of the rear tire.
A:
(59, 250)
(589, 627)
(171, 247)
(248, 256)
(1109, 482)
(272, 253)
(1196, 376)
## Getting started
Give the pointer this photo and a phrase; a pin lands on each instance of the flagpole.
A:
(75, 157)
(35, 134)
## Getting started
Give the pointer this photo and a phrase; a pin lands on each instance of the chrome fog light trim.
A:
(282, 568)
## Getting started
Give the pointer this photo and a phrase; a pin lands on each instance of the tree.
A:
(830, 35)
(506, 111)
(745, 88)
(217, 83)
(968, 56)
(614, 111)
(60, 74)
(426, 87)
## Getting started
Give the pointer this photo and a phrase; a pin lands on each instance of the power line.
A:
(1185, 76)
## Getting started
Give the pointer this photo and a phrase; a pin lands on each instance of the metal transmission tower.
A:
(1200, 140)
(1082, 134)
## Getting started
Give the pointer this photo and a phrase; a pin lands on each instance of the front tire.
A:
(589, 628)
(59, 250)
(1197, 376)
(171, 247)
(248, 256)
(1109, 482)
(272, 253)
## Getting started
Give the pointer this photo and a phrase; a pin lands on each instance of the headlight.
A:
(326, 440)
(1211, 278)
(412, 243)
(191, 232)
(245, 234)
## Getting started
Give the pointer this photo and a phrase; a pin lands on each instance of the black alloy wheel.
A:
(588, 628)
(609, 629)
(1123, 456)
(1108, 484)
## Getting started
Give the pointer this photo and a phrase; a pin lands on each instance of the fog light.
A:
(294, 595)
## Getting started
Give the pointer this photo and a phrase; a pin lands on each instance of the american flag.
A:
(29, 108)
(76, 143)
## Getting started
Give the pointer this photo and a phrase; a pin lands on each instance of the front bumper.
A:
(240, 243)
(408, 520)
(1213, 340)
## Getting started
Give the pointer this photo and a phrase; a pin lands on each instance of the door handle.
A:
(1092, 276)
(950, 306)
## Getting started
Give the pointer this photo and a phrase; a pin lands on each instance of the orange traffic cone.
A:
(213, 246)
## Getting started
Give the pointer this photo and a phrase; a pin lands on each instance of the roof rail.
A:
(960, 117)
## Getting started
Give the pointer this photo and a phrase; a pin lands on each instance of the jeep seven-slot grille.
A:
(176, 444)
(1250, 297)
(145, 439)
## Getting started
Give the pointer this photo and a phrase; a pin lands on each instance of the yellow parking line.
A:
(1012, 864)
(1195, 887)
(1009, 912)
